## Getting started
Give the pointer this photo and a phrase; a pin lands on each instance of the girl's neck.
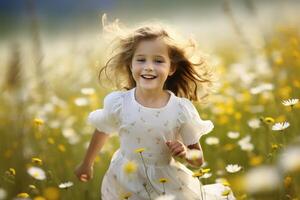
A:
(155, 99)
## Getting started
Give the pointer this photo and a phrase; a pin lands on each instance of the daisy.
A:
(247, 146)
(81, 101)
(253, 179)
(233, 135)
(289, 159)
(290, 102)
(206, 175)
(233, 168)
(254, 123)
(36, 173)
(245, 143)
(262, 88)
(212, 140)
(66, 185)
(87, 91)
(280, 126)
(3, 193)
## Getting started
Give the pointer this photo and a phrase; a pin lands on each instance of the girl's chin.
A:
(148, 87)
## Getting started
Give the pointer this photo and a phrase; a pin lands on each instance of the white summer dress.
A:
(149, 128)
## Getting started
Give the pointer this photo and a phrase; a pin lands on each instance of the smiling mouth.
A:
(148, 77)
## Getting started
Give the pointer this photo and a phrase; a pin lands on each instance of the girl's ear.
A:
(172, 70)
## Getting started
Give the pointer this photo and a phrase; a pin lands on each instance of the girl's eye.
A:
(159, 61)
(141, 60)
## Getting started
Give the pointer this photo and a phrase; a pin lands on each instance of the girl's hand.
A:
(177, 148)
(84, 172)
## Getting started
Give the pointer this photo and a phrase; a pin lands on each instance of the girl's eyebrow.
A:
(153, 55)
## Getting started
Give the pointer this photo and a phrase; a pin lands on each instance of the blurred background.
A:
(51, 53)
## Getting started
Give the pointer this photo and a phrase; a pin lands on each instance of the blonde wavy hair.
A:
(192, 79)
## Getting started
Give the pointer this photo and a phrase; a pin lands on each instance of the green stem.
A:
(147, 191)
(200, 189)
(147, 174)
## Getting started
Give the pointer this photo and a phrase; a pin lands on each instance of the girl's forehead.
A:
(155, 46)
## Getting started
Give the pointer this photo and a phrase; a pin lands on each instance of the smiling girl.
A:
(155, 120)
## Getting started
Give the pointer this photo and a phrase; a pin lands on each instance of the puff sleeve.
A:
(107, 119)
(192, 126)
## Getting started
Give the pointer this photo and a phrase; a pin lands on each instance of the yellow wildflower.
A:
(126, 195)
(38, 121)
(37, 161)
(50, 140)
(225, 182)
(51, 193)
(163, 180)
(205, 170)
(12, 171)
(139, 150)
(129, 167)
(198, 174)
(256, 160)
(32, 187)
(274, 146)
(61, 148)
(39, 198)
(23, 195)
(226, 192)
(269, 120)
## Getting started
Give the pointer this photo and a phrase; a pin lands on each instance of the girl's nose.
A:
(148, 67)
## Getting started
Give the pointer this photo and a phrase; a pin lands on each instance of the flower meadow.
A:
(47, 93)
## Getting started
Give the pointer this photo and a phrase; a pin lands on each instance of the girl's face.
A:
(151, 65)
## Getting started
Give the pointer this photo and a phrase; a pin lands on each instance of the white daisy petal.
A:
(36, 173)
(290, 102)
(253, 179)
(87, 91)
(289, 159)
(233, 168)
(66, 185)
(81, 101)
(206, 175)
(233, 135)
(3, 194)
(254, 123)
(212, 140)
(280, 126)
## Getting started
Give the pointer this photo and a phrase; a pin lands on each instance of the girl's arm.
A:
(85, 170)
(96, 143)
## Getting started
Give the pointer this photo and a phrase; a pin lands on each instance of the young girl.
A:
(155, 120)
